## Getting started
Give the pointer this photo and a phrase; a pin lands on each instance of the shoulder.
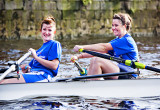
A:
(56, 45)
(129, 38)
(55, 42)
(113, 40)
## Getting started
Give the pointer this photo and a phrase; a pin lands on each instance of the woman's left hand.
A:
(74, 58)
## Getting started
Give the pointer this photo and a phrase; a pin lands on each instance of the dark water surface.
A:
(149, 52)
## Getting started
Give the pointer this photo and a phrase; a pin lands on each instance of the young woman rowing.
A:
(46, 59)
(123, 46)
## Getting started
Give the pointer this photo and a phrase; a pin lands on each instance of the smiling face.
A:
(48, 32)
(118, 29)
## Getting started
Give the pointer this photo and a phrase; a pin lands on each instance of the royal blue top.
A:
(49, 51)
(124, 48)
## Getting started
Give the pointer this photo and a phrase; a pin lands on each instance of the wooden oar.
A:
(96, 76)
(119, 60)
(13, 67)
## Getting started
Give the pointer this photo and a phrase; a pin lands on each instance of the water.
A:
(149, 52)
(81, 103)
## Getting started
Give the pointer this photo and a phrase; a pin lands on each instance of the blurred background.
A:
(21, 19)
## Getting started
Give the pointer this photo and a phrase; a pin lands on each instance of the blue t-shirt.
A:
(49, 51)
(124, 48)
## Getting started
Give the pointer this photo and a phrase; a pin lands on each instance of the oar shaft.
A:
(78, 66)
(152, 68)
(82, 71)
(12, 68)
(119, 60)
(24, 57)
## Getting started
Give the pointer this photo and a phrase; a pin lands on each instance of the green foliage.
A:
(86, 2)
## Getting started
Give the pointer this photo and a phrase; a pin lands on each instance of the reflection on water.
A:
(149, 52)
(80, 103)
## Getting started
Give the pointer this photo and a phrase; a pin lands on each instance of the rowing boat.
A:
(100, 88)
(79, 86)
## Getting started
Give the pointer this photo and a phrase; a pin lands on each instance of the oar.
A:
(119, 60)
(82, 71)
(95, 76)
(13, 67)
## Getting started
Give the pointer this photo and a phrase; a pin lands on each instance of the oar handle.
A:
(119, 60)
(24, 57)
(82, 71)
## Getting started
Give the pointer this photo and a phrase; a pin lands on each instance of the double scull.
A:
(100, 88)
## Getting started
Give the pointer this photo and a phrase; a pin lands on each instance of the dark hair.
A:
(125, 19)
(48, 20)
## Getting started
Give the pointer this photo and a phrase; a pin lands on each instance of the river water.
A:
(149, 53)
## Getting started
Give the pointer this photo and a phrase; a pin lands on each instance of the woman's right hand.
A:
(74, 58)
(33, 52)
(77, 47)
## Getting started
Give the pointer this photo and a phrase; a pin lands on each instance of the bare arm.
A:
(100, 47)
(53, 64)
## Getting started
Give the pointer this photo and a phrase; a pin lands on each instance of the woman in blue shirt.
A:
(46, 59)
(123, 46)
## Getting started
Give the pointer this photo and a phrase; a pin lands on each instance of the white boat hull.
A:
(102, 88)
